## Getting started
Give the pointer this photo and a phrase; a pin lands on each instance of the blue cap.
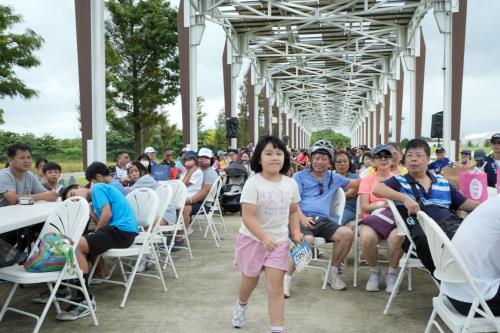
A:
(189, 154)
(380, 148)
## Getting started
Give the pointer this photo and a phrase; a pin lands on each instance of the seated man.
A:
(478, 237)
(17, 181)
(317, 186)
(122, 163)
(437, 196)
(441, 161)
(167, 160)
(116, 227)
(52, 173)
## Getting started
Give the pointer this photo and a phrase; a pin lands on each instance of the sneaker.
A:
(43, 297)
(373, 283)
(390, 282)
(238, 320)
(143, 265)
(287, 281)
(74, 312)
(336, 281)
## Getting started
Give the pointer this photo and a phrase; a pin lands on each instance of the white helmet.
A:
(323, 146)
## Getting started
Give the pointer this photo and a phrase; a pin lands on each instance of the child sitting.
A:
(52, 173)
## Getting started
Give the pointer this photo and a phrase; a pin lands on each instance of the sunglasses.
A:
(495, 142)
(321, 188)
(383, 157)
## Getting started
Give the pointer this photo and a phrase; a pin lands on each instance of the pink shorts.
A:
(250, 257)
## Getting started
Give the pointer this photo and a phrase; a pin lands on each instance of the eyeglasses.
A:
(321, 189)
(415, 156)
(495, 142)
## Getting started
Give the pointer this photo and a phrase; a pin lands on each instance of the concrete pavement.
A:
(202, 300)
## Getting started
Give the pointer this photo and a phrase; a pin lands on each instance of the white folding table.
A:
(18, 216)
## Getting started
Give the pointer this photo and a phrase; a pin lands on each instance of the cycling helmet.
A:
(322, 146)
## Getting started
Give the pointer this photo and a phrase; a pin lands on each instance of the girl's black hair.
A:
(259, 148)
(38, 160)
(349, 158)
(142, 169)
(145, 157)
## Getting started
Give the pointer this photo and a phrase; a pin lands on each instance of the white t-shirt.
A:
(478, 241)
(195, 182)
(273, 202)
(497, 162)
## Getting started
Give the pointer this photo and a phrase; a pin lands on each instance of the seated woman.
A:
(378, 223)
(343, 166)
(397, 157)
(192, 177)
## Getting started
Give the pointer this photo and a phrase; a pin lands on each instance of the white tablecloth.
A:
(18, 216)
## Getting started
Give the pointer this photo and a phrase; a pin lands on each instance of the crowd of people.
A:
(288, 195)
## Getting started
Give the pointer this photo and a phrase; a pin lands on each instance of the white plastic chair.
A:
(70, 219)
(210, 199)
(451, 267)
(408, 261)
(179, 194)
(216, 209)
(144, 203)
(336, 210)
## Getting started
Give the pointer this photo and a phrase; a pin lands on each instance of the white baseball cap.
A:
(149, 150)
(205, 152)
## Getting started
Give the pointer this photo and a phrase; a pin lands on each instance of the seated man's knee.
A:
(343, 234)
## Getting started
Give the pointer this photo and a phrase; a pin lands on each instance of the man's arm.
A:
(201, 194)
(353, 186)
(106, 215)
(12, 197)
(469, 205)
(383, 191)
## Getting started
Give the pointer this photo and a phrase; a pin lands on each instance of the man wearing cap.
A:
(317, 187)
(151, 152)
(441, 161)
(493, 161)
(205, 163)
(465, 158)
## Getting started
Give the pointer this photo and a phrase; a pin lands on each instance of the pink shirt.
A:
(367, 185)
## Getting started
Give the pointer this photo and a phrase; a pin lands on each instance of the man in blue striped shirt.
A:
(438, 197)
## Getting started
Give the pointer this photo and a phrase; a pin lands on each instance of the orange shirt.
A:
(368, 183)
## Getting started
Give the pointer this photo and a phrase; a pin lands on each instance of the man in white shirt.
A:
(478, 241)
(122, 162)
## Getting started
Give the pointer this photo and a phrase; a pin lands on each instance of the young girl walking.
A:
(269, 205)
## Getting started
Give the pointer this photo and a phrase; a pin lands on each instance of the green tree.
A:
(336, 139)
(16, 50)
(404, 143)
(142, 69)
(200, 114)
(220, 130)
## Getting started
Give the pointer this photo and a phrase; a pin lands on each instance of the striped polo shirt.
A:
(438, 201)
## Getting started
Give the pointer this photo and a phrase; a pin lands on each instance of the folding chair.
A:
(179, 193)
(451, 267)
(70, 219)
(216, 209)
(209, 201)
(337, 210)
(408, 261)
(144, 203)
(358, 261)
(164, 193)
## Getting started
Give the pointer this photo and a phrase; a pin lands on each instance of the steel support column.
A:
(290, 132)
(84, 45)
(420, 75)
(458, 44)
(251, 107)
(267, 124)
(377, 123)
(184, 69)
(387, 107)
(399, 104)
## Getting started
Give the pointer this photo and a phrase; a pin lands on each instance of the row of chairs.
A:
(151, 244)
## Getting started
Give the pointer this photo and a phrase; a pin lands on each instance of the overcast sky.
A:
(56, 79)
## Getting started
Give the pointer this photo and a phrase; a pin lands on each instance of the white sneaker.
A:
(336, 281)
(390, 282)
(238, 320)
(373, 283)
(287, 281)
